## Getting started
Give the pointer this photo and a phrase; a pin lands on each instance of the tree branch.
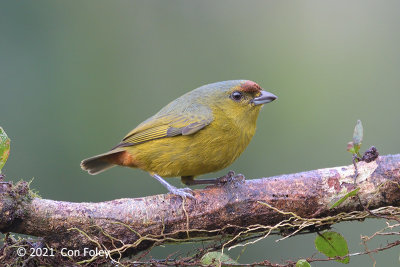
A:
(288, 203)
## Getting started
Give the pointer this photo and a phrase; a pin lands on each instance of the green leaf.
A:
(4, 148)
(350, 148)
(358, 133)
(332, 244)
(302, 263)
(342, 199)
(358, 137)
(214, 258)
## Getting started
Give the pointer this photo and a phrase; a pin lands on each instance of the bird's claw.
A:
(230, 177)
(182, 192)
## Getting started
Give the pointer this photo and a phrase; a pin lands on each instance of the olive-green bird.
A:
(203, 131)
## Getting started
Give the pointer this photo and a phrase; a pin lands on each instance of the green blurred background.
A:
(76, 76)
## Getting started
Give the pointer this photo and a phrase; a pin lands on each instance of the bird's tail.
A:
(102, 162)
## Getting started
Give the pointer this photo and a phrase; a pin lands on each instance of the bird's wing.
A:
(168, 125)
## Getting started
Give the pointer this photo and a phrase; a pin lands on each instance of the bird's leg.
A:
(189, 180)
(183, 192)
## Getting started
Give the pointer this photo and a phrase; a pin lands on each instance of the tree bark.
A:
(217, 210)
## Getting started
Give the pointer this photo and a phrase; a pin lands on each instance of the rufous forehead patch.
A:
(250, 86)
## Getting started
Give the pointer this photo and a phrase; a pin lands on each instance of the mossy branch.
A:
(237, 210)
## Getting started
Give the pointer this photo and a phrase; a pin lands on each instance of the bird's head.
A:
(238, 99)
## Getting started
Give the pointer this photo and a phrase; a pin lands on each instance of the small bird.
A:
(203, 131)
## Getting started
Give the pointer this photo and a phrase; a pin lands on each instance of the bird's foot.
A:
(230, 177)
(182, 192)
(226, 178)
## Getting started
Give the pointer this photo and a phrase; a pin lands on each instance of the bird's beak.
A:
(264, 98)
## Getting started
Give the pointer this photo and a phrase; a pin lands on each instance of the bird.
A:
(203, 131)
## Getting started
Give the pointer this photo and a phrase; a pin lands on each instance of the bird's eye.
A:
(237, 96)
